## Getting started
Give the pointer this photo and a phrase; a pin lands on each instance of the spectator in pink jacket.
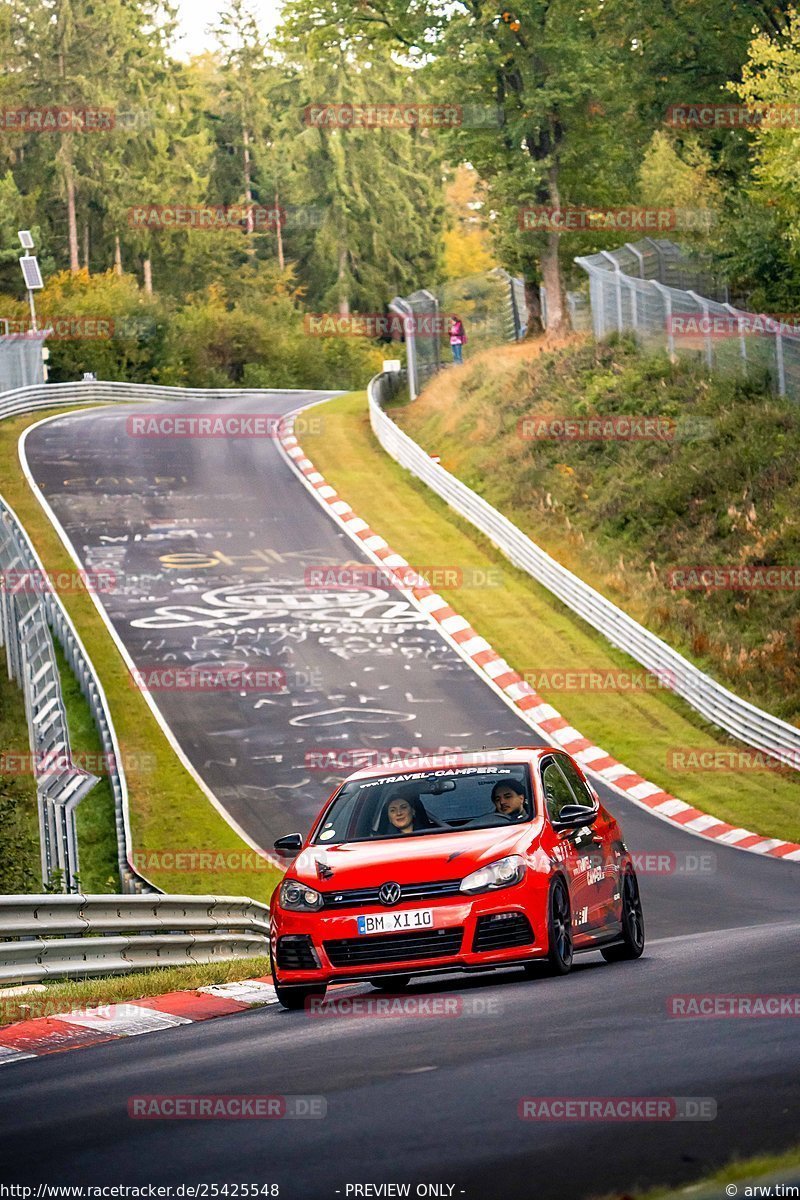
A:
(458, 339)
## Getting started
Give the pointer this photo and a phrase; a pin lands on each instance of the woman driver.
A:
(405, 817)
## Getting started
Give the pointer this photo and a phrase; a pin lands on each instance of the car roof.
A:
(477, 758)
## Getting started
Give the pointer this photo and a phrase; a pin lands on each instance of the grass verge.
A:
(531, 629)
(116, 989)
(20, 862)
(764, 1170)
(169, 811)
(635, 516)
(94, 816)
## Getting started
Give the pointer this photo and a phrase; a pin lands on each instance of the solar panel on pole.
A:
(31, 273)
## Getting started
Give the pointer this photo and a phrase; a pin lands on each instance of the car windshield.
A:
(424, 803)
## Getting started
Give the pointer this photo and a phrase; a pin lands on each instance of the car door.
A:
(602, 866)
(568, 846)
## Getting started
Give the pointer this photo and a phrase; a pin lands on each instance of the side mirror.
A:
(572, 816)
(289, 845)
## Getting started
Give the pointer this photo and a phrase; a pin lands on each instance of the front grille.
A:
(501, 932)
(367, 897)
(394, 947)
(296, 953)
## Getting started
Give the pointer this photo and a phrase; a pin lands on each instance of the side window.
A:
(557, 792)
(582, 793)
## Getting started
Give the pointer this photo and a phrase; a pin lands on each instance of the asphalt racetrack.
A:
(211, 542)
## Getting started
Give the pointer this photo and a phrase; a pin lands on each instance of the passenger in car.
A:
(508, 799)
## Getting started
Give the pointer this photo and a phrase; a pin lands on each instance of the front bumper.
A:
(470, 933)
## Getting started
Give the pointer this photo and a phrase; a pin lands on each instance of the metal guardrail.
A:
(49, 937)
(61, 848)
(28, 615)
(729, 712)
(24, 631)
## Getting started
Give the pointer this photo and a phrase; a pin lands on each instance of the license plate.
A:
(396, 922)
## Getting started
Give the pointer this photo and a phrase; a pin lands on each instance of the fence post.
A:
(709, 352)
(437, 343)
(659, 255)
(634, 249)
(618, 282)
(779, 361)
(742, 343)
(668, 313)
(404, 310)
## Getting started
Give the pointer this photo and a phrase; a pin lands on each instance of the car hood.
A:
(429, 858)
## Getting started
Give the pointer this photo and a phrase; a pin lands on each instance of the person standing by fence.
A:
(458, 339)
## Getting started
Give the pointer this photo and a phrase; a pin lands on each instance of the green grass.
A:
(94, 817)
(169, 811)
(623, 513)
(756, 1170)
(20, 862)
(532, 630)
(116, 989)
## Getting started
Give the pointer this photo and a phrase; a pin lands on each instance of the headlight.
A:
(299, 898)
(501, 874)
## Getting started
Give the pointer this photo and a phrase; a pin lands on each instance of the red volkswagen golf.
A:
(459, 862)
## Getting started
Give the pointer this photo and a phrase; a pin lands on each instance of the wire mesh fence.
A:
(670, 302)
(491, 305)
(21, 362)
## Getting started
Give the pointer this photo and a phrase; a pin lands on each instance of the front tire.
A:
(632, 944)
(559, 929)
(296, 997)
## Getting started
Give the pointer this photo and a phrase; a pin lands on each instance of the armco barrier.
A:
(729, 712)
(26, 622)
(51, 937)
(25, 633)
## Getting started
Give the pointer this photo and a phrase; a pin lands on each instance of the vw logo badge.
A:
(390, 893)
